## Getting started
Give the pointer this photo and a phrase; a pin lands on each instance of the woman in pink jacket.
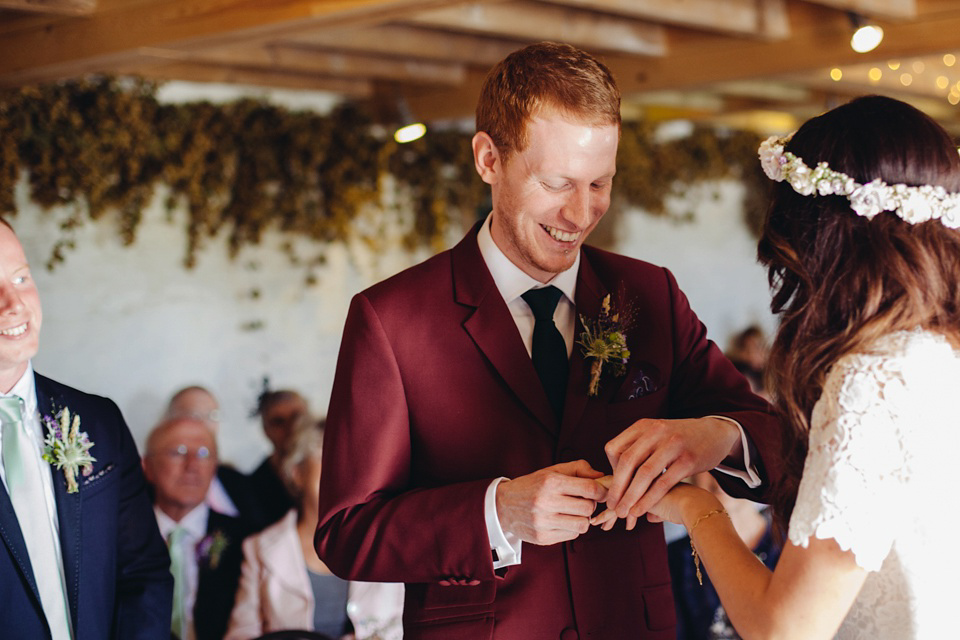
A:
(284, 585)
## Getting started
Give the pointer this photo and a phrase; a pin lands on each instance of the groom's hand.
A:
(550, 505)
(653, 455)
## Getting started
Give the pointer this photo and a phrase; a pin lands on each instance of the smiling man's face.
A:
(549, 197)
(20, 311)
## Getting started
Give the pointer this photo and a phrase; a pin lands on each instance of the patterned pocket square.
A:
(641, 380)
(97, 476)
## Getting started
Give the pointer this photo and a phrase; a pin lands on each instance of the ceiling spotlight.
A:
(410, 128)
(410, 132)
(866, 36)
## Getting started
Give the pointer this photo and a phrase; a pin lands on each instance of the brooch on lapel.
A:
(604, 340)
(210, 549)
(67, 448)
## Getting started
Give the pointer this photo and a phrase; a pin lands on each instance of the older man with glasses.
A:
(205, 546)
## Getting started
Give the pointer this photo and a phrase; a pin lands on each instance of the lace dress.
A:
(879, 479)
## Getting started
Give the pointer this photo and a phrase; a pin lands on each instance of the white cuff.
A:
(505, 546)
(750, 477)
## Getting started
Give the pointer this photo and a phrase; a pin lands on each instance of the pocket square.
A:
(96, 476)
(641, 380)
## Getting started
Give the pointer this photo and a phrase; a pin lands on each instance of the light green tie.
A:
(22, 468)
(178, 569)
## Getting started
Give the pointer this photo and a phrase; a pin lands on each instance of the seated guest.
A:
(230, 491)
(748, 353)
(205, 546)
(279, 413)
(284, 585)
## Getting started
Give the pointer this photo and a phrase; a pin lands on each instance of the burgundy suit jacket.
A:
(435, 396)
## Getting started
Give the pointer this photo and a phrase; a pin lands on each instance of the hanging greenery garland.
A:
(103, 144)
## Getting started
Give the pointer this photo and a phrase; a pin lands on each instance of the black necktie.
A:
(549, 349)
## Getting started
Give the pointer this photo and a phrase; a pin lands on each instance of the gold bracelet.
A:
(693, 549)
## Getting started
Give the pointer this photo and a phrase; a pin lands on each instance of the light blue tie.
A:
(22, 469)
(178, 569)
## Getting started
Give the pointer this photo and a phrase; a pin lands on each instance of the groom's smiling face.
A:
(548, 197)
(20, 312)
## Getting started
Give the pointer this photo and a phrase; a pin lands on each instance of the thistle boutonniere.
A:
(210, 549)
(604, 340)
(67, 448)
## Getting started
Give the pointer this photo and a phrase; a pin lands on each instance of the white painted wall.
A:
(131, 323)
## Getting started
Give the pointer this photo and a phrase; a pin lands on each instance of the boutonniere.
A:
(604, 340)
(210, 549)
(67, 448)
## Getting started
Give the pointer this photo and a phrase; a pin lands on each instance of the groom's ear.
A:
(486, 157)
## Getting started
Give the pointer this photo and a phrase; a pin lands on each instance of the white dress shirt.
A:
(219, 500)
(195, 524)
(512, 283)
(26, 389)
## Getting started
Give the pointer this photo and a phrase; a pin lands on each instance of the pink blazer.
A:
(275, 594)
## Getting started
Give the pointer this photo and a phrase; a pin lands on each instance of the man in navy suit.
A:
(81, 557)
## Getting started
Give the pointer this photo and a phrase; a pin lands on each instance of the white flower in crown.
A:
(771, 157)
(916, 208)
(869, 199)
(950, 214)
(821, 179)
(799, 175)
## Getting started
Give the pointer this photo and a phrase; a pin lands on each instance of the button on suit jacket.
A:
(435, 395)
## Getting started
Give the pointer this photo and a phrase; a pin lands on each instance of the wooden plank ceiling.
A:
(731, 61)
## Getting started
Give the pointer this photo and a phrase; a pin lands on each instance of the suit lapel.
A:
(13, 540)
(68, 509)
(494, 331)
(590, 294)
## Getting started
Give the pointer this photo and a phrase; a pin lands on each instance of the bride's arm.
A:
(807, 596)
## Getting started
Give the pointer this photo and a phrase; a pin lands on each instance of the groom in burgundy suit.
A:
(462, 445)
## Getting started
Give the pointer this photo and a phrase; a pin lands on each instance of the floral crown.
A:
(911, 204)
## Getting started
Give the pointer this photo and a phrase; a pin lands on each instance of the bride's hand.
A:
(673, 505)
(683, 498)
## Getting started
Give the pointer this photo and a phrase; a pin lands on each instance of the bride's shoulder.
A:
(900, 368)
(898, 353)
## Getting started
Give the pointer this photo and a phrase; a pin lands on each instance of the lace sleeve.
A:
(855, 469)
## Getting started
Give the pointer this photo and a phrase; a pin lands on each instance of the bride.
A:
(863, 254)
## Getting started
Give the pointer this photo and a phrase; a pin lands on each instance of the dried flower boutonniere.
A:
(210, 549)
(605, 340)
(67, 448)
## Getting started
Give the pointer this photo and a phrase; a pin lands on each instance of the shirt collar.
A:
(195, 522)
(511, 281)
(27, 390)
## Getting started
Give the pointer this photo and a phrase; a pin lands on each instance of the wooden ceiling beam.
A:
(56, 7)
(820, 40)
(42, 50)
(533, 22)
(258, 76)
(299, 59)
(757, 18)
(887, 9)
(402, 41)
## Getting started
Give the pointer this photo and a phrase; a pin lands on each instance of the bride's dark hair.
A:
(841, 281)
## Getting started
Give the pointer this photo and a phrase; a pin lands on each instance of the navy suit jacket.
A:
(218, 579)
(116, 564)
